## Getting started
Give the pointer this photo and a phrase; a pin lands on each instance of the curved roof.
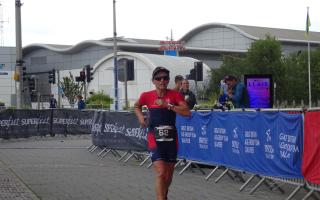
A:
(175, 64)
(256, 33)
(68, 49)
(252, 32)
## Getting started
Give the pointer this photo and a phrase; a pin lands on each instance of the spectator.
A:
(80, 102)
(177, 81)
(2, 105)
(237, 92)
(53, 102)
(188, 95)
(223, 96)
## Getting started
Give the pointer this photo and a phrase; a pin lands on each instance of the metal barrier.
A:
(314, 190)
(124, 156)
(189, 164)
(272, 183)
(299, 183)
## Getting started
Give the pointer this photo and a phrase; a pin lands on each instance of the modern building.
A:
(7, 66)
(206, 43)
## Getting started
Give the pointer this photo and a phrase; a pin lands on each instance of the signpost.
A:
(172, 48)
(19, 61)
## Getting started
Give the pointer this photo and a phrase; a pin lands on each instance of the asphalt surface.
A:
(62, 168)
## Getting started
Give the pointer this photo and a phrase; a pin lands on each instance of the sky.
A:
(73, 21)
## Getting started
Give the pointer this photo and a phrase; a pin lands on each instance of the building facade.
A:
(207, 43)
(7, 66)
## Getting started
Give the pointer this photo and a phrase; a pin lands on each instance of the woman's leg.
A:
(161, 179)
(169, 176)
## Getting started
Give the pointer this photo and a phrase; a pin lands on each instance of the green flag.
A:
(308, 24)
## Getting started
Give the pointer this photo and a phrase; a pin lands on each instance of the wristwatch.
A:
(170, 106)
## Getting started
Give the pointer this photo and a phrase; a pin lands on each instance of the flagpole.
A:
(309, 74)
(115, 59)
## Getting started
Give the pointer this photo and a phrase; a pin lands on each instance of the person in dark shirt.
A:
(237, 92)
(177, 82)
(163, 104)
(188, 95)
(80, 102)
(53, 102)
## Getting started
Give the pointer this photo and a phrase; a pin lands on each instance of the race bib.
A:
(165, 133)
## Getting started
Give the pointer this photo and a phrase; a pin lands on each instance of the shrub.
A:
(99, 101)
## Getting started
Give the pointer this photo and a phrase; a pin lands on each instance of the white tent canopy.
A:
(144, 64)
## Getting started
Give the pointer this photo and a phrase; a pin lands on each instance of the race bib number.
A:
(165, 133)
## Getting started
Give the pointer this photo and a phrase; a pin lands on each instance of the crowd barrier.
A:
(311, 156)
(311, 152)
(267, 144)
(27, 123)
(271, 145)
(118, 130)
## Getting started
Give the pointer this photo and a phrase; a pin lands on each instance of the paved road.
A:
(62, 169)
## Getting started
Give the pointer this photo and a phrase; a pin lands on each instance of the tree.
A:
(263, 57)
(315, 74)
(296, 82)
(290, 73)
(71, 88)
(99, 100)
(295, 78)
(232, 64)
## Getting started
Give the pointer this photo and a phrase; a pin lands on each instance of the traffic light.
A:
(19, 62)
(130, 70)
(127, 65)
(197, 72)
(89, 73)
(192, 75)
(24, 73)
(32, 84)
(52, 76)
(82, 76)
(198, 67)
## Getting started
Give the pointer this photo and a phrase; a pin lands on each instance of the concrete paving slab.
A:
(61, 168)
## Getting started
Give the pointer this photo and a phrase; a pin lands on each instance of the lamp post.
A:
(19, 61)
(115, 69)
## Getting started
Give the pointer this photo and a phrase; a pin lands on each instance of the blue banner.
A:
(266, 143)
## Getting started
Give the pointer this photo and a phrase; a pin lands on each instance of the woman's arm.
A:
(181, 109)
(139, 114)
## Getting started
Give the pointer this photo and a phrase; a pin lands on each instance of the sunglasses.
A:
(159, 78)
